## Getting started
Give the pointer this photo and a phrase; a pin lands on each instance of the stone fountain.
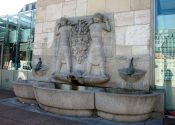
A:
(131, 74)
(81, 79)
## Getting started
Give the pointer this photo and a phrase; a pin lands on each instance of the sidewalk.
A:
(13, 112)
(5, 93)
(14, 116)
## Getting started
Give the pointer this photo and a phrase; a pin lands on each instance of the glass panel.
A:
(17, 34)
(1, 54)
(17, 37)
(165, 49)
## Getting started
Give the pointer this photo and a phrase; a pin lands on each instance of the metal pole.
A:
(18, 41)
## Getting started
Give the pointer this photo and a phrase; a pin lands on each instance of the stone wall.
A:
(132, 29)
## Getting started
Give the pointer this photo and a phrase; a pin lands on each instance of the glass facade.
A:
(16, 44)
(165, 49)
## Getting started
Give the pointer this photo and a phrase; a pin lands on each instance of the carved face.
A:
(98, 18)
(63, 21)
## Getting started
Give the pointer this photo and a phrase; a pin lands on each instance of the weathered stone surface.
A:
(142, 17)
(43, 3)
(123, 118)
(140, 50)
(69, 9)
(43, 51)
(39, 28)
(53, 12)
(124, 19)
(138, 35)
(80, 44)
(81, 8)
(118, 106)
(68, 112)
(46, 60)
(160, 104)
(50, 41)
(120, 62)
(24, 90)
(117, 5)
(95, 6)
(38, 51)
(120, 35)
(48, 26)
(130, 41)
(140, 4)
(64, 99)
(123, 50)
(27, 101)
(48, 52)
(40, 14)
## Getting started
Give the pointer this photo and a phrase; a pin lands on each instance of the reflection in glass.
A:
(17, 36)
(165, 49)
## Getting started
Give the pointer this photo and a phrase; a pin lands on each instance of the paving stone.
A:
(58, 121)
(6, 121)
(6, 93)
(23, 116)
(169, 121)
(5, 108)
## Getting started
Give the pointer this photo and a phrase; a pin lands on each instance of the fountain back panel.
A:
(84, 52)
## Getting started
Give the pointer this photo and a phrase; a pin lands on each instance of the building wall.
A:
(132, 27)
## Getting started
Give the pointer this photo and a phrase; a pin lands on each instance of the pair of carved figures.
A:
(84, 41)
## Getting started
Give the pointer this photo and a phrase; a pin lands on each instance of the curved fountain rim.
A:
(26, 82)
(153, 93)
(36, 85)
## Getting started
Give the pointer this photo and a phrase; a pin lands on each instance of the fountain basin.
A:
(125, 105)
(79, 78)
(65, 100)
(24, 91)
(138, 74)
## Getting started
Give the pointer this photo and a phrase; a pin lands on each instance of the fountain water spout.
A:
(130, 70)
(131, 74)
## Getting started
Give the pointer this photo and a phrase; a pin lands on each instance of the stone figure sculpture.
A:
(96, 53)
(64, 31)
(81, 45)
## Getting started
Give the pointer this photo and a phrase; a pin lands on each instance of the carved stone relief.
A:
(79, 42)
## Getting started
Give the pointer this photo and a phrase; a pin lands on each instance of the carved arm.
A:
(57, 29)
(108, 27)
